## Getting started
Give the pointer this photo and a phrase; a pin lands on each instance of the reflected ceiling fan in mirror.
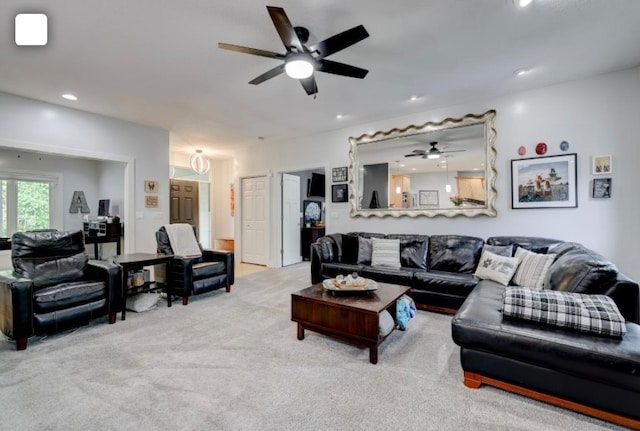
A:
(431, 153)
(299, 60)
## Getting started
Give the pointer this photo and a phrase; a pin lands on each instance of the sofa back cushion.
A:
(531, 243)
(454, 253)
(413, 250)
(578, 269)
(49, 257)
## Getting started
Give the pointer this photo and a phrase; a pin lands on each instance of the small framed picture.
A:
(339, 174)
(601, 164)
(602, 188)
(339, 193)
(151, 201)
(150, 186)
(428, 198)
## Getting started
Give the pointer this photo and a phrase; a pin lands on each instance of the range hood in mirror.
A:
(444, 168)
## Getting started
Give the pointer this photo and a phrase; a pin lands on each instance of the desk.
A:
(134, 262)
(99, 232)
(95, 240)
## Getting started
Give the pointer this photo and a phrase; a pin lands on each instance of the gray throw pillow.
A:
(365, 249)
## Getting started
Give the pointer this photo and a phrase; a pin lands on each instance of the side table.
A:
(134, 262)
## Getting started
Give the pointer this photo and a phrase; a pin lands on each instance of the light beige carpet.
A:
(231, 361)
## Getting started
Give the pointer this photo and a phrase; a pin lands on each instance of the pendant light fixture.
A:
(447, 186)
(199, 163)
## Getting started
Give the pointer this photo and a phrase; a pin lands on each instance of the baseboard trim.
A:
(473, 381)
(435, 308)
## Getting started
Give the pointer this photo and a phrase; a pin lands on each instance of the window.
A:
(27, 203)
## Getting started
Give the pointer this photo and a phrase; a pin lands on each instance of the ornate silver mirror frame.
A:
(398, 156)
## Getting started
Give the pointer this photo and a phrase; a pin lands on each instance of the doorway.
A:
(311, 186)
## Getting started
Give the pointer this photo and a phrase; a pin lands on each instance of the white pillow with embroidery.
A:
(497, 268)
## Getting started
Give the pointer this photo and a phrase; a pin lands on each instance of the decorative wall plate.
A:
(541, 148)
(564, 145)
(522, 150)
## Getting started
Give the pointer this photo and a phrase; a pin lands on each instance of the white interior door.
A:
(290, 219)
(254, 220)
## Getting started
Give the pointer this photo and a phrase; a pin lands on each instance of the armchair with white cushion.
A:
(193, 270)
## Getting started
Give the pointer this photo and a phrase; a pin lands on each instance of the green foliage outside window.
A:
(33, 205)
(25, 205)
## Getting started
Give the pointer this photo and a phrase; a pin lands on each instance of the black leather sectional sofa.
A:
(439, 268)
(589, 373)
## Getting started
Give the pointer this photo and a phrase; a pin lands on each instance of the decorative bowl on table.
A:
(349, 283)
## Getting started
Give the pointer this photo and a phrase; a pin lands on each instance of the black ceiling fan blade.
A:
(247, 50)
(414, 155)
(339, 41)
(336, 68)
(284, 28)
(453, 151)
(309, 85)
(268, 75)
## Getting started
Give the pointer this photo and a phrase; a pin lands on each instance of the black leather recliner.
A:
(54, 285)
(195, 275)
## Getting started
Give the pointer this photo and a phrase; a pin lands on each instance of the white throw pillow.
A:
(385, 252)
(497, 268)
(533, 268)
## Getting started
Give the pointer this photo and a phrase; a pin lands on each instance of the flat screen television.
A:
(316, 185)
(103, 207)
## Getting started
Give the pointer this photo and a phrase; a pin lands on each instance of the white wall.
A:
(598, 115)
(143, 151)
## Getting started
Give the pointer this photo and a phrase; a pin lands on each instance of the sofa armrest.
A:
(222, 256)
(321, 251)
(110, 273)
(16, 310)
(626, 294)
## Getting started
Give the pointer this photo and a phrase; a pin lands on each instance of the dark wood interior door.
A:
(183, 202)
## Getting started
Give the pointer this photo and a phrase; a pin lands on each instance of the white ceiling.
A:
(157, 63)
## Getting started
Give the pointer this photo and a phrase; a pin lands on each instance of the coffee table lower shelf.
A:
(352, 319)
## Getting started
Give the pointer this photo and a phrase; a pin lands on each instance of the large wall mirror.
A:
(444, 168)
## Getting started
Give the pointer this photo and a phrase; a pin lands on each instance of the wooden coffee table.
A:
(353, 318)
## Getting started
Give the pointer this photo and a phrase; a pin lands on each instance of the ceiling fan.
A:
(300, 61)
(431, 153)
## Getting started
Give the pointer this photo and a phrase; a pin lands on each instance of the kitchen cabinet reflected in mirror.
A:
(444, 168)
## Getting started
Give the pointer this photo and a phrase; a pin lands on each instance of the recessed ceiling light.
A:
(339, 116)
(520, 72)
(522, 3)
(414, 97)
(69, 96)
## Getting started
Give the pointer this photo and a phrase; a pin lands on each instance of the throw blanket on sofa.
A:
(183, 240)
(587, 313)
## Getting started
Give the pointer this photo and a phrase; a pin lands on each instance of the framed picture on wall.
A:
(428, 198)
(339, 193)
(601, 188)
(339, 174)
(601, 164)
(312, 211)
(544, 182)
(150, 186)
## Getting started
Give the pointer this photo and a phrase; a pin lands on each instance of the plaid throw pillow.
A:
(596, 314)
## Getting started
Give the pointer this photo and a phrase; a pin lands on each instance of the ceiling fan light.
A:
(433, 156)
(199, 163)
(298, 67)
